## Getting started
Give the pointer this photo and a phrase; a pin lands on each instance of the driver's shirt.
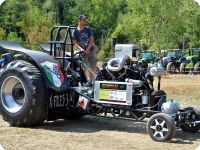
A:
(82, 36)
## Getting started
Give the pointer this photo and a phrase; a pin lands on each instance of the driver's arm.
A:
(91, 42)
(77, 45)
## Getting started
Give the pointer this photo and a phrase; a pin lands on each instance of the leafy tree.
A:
(151, 24)
(12, 12)
(2, 34)
(36, 27)
(59, 10)
(12, 36)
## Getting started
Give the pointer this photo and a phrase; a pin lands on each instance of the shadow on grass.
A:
(90, 124)
(185, 137)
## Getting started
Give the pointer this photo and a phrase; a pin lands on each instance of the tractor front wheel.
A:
(182, 68)
(161, 127)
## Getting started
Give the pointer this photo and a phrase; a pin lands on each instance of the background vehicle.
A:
(147, 57)
(34, 87)
(172, 60)
(192, 62)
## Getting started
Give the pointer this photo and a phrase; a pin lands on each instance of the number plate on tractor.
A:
(119, 93)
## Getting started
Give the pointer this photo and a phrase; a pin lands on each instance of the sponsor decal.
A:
(83, 102)
(53, 73)
(58, 101)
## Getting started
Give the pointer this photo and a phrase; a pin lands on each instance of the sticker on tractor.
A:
(83, 102)
(53, 73)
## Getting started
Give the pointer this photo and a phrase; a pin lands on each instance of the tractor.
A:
(147, 58)
(172, 60)
(45, 86)
(192, 62)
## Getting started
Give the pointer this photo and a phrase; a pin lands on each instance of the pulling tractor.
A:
(42, 86)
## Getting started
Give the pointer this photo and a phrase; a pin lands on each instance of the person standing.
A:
(83, 39)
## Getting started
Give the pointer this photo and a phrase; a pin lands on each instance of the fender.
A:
(53, 76)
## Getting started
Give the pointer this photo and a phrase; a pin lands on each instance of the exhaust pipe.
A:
(196, 123)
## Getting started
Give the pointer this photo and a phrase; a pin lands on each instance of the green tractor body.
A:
(192, 62)
(147, 57)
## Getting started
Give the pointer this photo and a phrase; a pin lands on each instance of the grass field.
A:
(91, 133)
(185, 88)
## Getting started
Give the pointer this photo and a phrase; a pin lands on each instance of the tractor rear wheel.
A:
(23, 100)
(197, 68)
(171, 68)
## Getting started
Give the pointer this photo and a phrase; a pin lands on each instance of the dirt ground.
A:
(92, 133)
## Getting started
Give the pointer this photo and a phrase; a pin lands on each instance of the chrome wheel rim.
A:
(159, 128)
(13, 94)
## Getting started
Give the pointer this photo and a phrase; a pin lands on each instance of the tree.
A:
(151, 24)
(12, 36)
(59, 10)
(36, 27)
(2, 34)
(12, 12)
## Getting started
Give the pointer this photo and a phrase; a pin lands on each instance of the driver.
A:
(83, 39)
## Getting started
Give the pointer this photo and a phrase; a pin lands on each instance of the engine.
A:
(123, 71)
(119, 69)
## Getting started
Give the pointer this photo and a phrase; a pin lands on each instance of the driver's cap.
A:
(82, 17)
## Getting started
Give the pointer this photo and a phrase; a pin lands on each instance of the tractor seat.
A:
(116, 64)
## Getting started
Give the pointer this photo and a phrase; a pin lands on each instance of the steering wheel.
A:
(80, 54)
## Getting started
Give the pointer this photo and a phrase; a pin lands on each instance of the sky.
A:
(1, 1)
(198, 1)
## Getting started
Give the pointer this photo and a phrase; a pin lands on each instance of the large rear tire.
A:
(171, 68)
(23, 100)
(197, 68)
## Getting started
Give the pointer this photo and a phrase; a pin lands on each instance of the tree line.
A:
(154, 24)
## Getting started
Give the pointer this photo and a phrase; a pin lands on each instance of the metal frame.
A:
(106, 110)
(56, 40)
